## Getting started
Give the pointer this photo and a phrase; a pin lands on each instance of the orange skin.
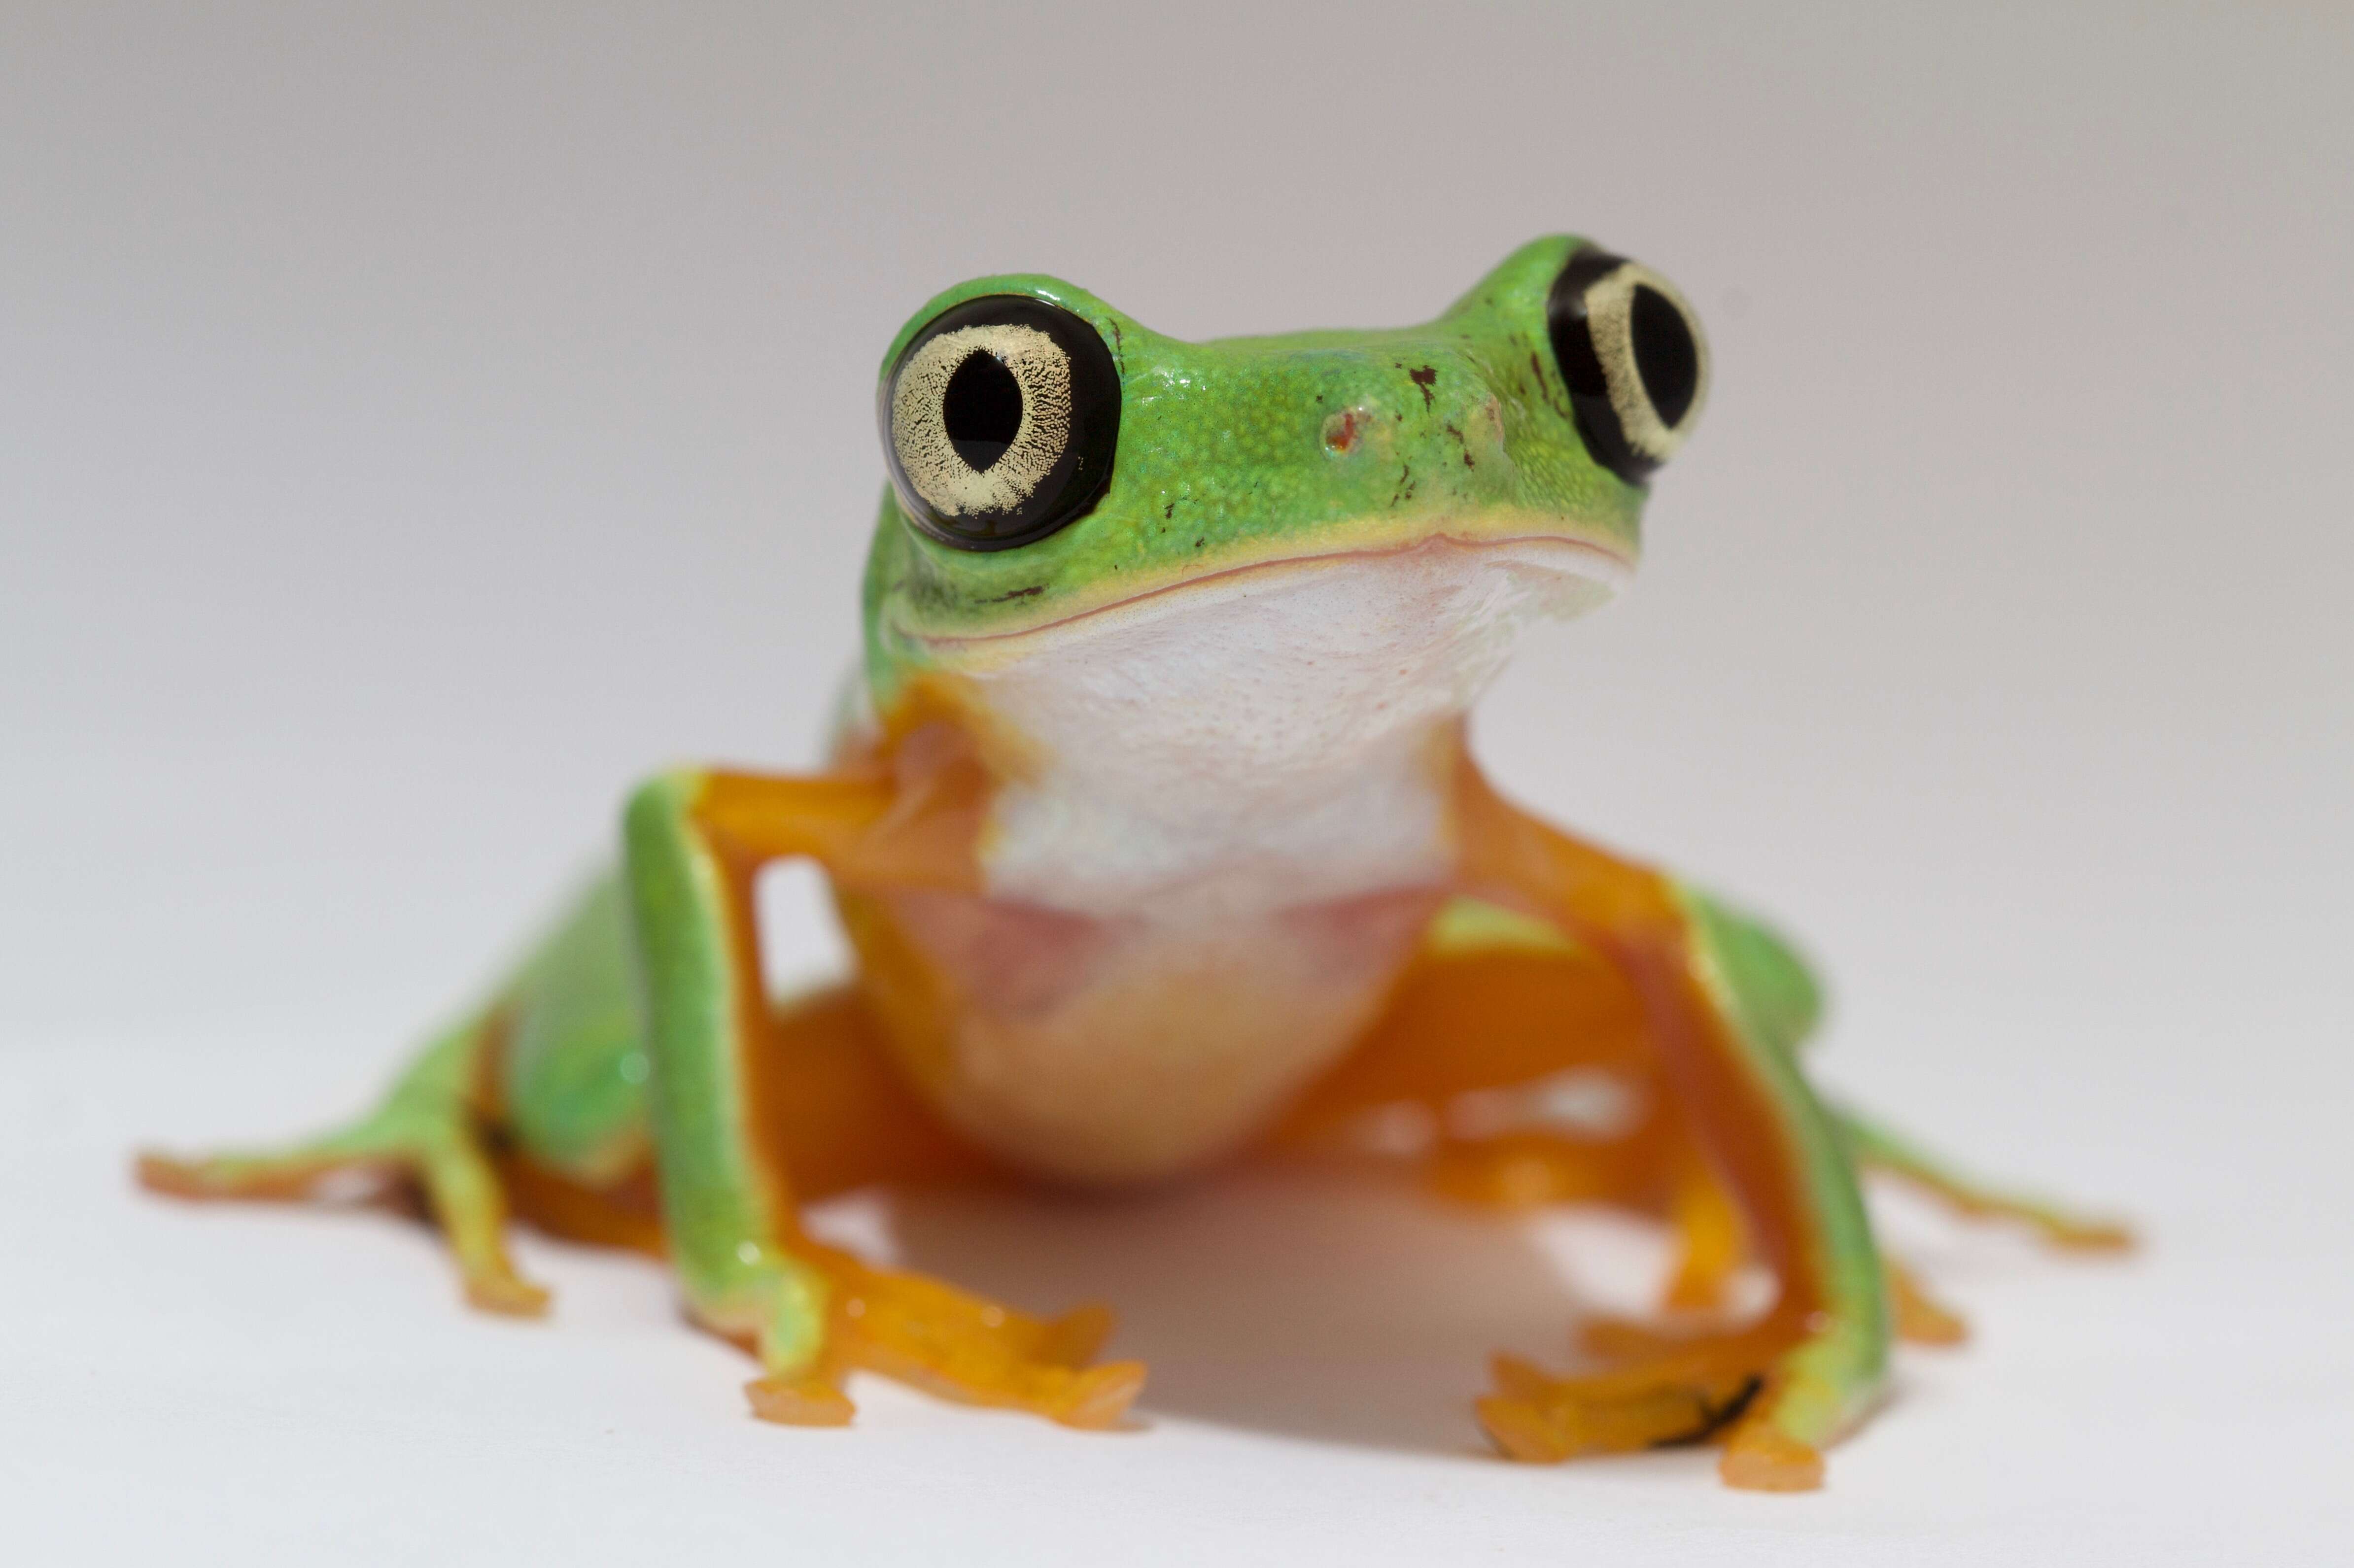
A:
(1422, 487)
(830, 1106)
(832, 1091)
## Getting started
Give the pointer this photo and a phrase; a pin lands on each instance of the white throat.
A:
(1262, 739)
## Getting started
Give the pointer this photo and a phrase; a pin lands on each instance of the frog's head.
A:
(1059, 471)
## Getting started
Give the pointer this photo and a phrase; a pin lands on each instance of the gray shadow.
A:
(1338, 1305)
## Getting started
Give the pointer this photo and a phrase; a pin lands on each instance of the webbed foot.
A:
(1770, 1394)
(946, 1342)
(1678, 1393)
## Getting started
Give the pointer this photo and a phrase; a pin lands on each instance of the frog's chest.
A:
(1138, 990)
(1232, 830)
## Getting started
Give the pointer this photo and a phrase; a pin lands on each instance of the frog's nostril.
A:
(1341, 429)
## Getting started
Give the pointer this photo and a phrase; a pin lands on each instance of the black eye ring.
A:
(1000, 420)
(1631, 352)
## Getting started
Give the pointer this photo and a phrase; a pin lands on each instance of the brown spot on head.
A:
(1457, 432)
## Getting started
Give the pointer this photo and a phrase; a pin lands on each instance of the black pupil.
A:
(982, 409)
(1665, 355)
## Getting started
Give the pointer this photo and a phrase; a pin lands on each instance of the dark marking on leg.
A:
(1715, 1420)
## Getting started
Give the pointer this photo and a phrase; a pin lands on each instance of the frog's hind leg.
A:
(1714, 1248)
(427, 1132)
(1875, 1148)
(1499, 1023)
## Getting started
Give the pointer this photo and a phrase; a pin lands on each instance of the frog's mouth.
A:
(1513, 579)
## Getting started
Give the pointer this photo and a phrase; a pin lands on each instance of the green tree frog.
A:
(1151, 823)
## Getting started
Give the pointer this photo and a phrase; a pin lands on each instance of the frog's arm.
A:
(694, 843)
(1817, 1362)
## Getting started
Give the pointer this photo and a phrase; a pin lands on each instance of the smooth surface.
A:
(233, 1385)
(416, 426)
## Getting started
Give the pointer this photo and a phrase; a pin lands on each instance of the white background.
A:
(417, 422)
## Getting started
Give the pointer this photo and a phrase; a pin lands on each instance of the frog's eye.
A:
(1000, 421)
(1631, 352)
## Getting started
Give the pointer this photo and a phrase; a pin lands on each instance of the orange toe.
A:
(1760, 1460)
(799, 1402)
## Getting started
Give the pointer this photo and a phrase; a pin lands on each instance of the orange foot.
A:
(953, 1344)
(1672, 1392)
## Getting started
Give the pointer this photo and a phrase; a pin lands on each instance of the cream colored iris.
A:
(1610, 316)
(920, 431)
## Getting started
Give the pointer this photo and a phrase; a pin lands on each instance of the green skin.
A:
(619, 1026)
(1223, 461)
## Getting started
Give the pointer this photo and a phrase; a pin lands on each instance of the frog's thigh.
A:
(1496, 1003)
(1467, 1017)
(844, 1116)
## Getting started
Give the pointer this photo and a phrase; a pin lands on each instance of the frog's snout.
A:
(1343, 429)
(1436, 412)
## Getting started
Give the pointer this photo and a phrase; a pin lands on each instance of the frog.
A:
(1150, 817)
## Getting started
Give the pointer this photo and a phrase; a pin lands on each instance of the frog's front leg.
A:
(694, 843)
(1780, 1389)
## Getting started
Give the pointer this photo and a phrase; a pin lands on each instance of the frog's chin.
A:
(1513, 579)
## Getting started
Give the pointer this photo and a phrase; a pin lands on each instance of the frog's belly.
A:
(1126, 1049)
